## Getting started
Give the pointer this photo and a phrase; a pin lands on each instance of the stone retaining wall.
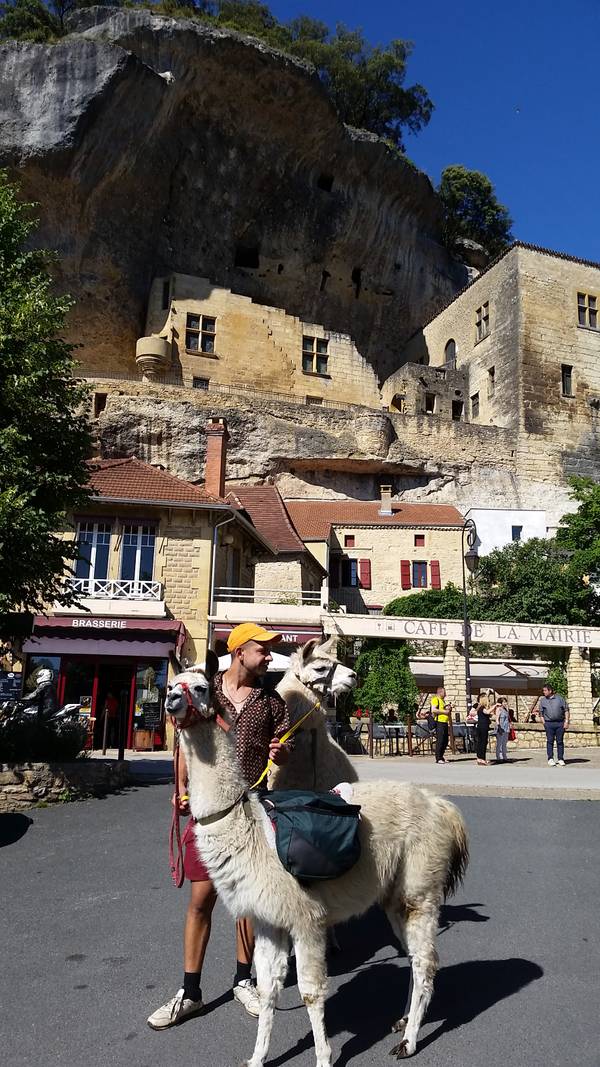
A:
(532, 735)
(24, 784)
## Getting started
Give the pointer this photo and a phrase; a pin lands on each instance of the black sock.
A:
(191, 985)
(243, 971)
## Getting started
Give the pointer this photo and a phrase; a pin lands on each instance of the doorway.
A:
(115, 682)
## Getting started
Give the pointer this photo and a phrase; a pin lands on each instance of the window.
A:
(349, 572)
(430, 403)
(516, 532)
(566, 374)
(475, 406)
(314, 399)
(587, 310)
(93, 544)
(314, 355)
(491, 380)
(419, 540)
(457, 410)
(200, 333)
(419, 575)
(166, 294)
(200, 383)
(450, 353)
(137, 560)
(398, 403)
(348, 540)
(99, 403)
(482, 322)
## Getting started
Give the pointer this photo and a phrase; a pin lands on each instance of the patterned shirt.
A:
(262, 717)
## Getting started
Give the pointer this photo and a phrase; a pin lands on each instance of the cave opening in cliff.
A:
(325, 276)
(247, 256)
(325, 182)
(357, 281)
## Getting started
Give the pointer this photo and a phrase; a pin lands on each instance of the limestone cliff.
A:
(157, 145)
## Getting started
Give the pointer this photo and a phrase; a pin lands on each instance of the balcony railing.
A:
(115, 589)
(239, 595)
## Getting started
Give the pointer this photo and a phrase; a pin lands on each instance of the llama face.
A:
(194, 684)
(319, 669)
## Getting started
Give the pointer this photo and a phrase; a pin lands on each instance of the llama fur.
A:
(414, 851)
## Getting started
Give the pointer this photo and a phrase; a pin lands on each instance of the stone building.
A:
(377, 550)
(208, 337)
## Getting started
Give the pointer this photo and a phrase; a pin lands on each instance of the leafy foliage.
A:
(26, 740)
(44, 435)
(472, 211)
(557, 677)
(385, 678)
(28, 20)
(579, 533)
(446, 603)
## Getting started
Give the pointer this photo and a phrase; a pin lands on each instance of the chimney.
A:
(216, 456)
(386, 500)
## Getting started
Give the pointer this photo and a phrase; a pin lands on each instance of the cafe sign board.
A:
(495, 633)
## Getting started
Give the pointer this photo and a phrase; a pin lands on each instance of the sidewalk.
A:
(526, 774)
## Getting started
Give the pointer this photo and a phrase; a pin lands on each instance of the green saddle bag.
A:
(316, 834)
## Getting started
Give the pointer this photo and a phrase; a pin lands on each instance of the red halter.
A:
(192, 716)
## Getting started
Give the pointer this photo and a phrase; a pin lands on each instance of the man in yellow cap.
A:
(259, 720)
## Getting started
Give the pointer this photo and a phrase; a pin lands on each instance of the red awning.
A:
(83, 628)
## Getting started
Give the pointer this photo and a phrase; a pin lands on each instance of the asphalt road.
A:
(91, 943)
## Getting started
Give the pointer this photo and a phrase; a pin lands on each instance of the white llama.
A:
(414, 851)
(316, 762)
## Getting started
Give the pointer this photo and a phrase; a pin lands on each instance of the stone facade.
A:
(24, 785)
(455, 677)
(285, 579)
(253, 346)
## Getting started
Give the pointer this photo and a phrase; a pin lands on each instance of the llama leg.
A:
(312, 983)
(271, 961)
(421, 929)
(396, 921)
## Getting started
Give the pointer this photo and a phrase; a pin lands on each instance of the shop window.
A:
(566, 373)
(475, 406)
(314, 355)
(200, 334)
(450, 354)
(419, 575)
(349, 572)
(457, 410)
(482, 322)
(349, 540)
(587, 310)
(137, 560)
(148, 713)
(93, 545)
(419, 540)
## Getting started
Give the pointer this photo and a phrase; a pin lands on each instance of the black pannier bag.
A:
(316, 833)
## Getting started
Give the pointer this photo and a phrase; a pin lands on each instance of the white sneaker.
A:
(175, 1011)
(561, 763)
(551, 763)
(247, 994)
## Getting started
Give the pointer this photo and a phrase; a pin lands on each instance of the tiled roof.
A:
(131, 479)
(314, 518)
(267, 511)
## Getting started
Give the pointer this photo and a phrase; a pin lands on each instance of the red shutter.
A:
(436, 580)
(364, 573)
(405, 580)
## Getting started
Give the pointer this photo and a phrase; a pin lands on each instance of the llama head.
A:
(188, 693)
(316, 666)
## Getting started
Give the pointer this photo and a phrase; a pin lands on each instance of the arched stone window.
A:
(450, 353)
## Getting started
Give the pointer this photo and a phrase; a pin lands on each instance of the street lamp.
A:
(470, 561)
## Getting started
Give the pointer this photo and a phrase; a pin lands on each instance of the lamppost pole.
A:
(470, 559)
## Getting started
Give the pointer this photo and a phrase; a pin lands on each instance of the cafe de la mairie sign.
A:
(497, 633)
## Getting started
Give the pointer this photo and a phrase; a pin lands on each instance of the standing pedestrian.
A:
(483, 728)
(259, 720)
(502, 729)
(554, 713)
(440, 717)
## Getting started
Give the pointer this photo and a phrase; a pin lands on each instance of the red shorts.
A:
(193, 867)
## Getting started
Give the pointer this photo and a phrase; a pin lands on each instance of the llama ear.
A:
(328, 646)
(212, 664)
(307, 649)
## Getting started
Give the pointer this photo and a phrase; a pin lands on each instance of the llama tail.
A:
(458, 859)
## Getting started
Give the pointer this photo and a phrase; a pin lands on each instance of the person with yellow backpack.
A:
(441, 718)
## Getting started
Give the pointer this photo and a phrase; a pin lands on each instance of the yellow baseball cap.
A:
(250, 631)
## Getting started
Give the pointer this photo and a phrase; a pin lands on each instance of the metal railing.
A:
(186, 382)
(240, 595)
(115, 589)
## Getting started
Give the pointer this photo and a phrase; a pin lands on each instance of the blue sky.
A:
(516, 87)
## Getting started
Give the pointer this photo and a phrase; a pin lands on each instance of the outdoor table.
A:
(466, 730)
(395, 730)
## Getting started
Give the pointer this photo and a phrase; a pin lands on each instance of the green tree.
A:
(446, 603)
(578, 534)
(28, 20)
(385, 678)
(44, 435)
(472, 211)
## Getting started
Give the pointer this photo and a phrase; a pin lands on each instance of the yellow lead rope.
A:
(286, 737)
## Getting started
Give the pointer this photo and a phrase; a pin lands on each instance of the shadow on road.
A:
(13, 826)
